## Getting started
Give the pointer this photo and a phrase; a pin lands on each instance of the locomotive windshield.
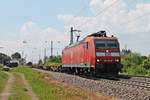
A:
(106, 44)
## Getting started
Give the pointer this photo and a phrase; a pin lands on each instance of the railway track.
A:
(130, 83)
(138, 82)
(124, 87)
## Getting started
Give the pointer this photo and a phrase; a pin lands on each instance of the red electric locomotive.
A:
(97, 53)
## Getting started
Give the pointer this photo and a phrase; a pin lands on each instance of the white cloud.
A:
(40, 38)
(116, 19)
(37, 38)
(10, 46)
(33, 32)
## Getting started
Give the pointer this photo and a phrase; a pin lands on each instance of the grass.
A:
(3, 80)
(49, 90)
(1, 67)
(19, 92)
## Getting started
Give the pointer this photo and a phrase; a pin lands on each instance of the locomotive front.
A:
(108, 58)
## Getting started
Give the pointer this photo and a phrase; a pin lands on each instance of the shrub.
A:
(146, 63)
(136, 70)
(1, 66)
(130, 60)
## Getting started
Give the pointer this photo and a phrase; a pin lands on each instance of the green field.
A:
(47, 89)
(3, 80)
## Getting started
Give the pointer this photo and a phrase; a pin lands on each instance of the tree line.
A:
(5, 59)
(136, 64)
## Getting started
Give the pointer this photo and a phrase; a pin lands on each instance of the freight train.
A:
(95, 54)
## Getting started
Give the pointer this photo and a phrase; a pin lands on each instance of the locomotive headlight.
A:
(117, 60)
(98, 60)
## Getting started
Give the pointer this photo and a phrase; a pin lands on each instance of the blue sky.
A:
(37, 17)
(15, 13)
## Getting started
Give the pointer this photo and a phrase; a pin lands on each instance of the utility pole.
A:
(24, 43)
(44, 55)
(125, 46)
(71, 35)
(51, 49)
(39, 57)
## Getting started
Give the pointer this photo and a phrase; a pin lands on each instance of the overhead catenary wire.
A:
(76, 15)
(105, 9)
(126, 22)
(138, 17)
(133, 20)
(102, 11)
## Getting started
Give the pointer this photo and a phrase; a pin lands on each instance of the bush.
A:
(1, 66)
(136, 70)
(56, 59)
(148, 72)
(146, 64)
(136, 64)
(29, 64)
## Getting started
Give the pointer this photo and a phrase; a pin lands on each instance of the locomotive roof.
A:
(112, 38)
(90, 37)
(98, 35)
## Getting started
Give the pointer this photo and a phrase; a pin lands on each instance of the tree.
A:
(29, 64)
(55, 59)
(136, 64)
(40, 62)
(4, 59)
(146, 63)
(131, 60)
(16, 56)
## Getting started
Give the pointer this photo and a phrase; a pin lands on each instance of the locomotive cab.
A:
(107, 54)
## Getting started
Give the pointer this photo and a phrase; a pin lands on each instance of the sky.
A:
(38, 22)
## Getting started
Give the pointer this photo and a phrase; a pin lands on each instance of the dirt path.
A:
(29, 88)
(6, 92)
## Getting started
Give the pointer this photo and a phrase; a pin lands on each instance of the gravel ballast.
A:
(104, 87)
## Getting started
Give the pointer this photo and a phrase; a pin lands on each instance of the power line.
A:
(111, 5)
(80, 11)
(130, 21)
(139, 17)
(103, 10)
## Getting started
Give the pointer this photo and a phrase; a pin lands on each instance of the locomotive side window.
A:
(87, 45)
